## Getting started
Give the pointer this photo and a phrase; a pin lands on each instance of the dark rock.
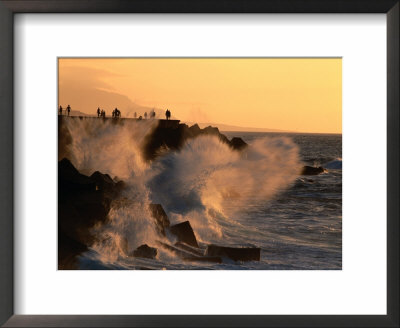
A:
(102, 181)
(68, 250)
(211, 131)
(189, 255)
(236, 254)
(195, 130)
(213, 259)
(170, 135)
(189, 249)
(64, 139)
(238, 143)
(145, 251)
(310, 170)
(179, 252)
(71, 180)
(81, 206)
(162, 220)
(184, 232)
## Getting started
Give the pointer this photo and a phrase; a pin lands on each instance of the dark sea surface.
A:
(299, 228)
(303, 226)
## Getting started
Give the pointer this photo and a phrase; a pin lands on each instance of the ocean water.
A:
(255, 198)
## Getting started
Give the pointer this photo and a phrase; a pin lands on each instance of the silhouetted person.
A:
(168, 114)
(145, 115)
(135, 115)
(98, 111)
(68, 109)
(60, 110)
(114, 113)
(140, 117)
(152, 114)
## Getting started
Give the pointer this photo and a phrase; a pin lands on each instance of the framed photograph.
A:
(199, 164)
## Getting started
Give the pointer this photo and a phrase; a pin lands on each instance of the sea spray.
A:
(109, 146)
(115, 148)
(202, 181)
(206, 182)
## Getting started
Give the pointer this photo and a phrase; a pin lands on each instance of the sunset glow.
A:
(303, 95)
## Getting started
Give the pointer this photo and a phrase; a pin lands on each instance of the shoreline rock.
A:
(184, 232)
(234, 253)
(174, 136)
(144, 251)
(310, 170)
(83, 202)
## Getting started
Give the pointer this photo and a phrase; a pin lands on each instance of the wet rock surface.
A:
(173, 135)
(145, 251)
(238, 143)
(184, 232)
(234, 253)
(189, 255)
(85, 201)
(310, 170)
(82, 202)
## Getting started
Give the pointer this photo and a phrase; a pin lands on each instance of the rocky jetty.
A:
(85, 201)
(82, 202)
(170, 135)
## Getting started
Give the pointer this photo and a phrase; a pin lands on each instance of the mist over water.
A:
(202, 180)
(206, 183)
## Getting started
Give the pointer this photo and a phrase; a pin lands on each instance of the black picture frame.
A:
(7, 10)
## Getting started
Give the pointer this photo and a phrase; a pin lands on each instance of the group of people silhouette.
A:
(67, 110)
(116, 113)
(152, 114)
(101, 112)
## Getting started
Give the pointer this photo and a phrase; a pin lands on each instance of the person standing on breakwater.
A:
(145, 115)
(168, 114)
(60, 111)
(68, 109)
(98, 111)
(135, 115)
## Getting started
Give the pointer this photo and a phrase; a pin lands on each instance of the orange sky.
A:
(286, 94)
